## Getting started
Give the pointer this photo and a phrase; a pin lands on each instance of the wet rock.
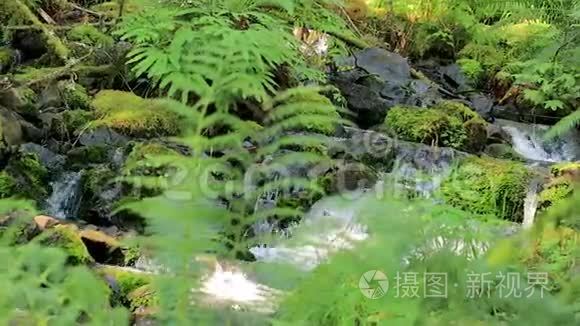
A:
(379, 80)
(50, 160)
(503, 151)
(451, 77)
(481, 104)
(386, 65)
(497, 135)
(102, 136)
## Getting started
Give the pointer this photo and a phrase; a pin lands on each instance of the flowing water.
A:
(531, 205)
(528, 141)
(64, 201)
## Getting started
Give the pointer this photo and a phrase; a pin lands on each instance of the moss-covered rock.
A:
(137, 160)
(428, 126)
(24, 177)
(126, 281)
(449, 124)
(67, 238)
(142, 297)
(68, 123)
(74, 96)
(503, 151)
(132, 115)
(90, 35)
(488, 186)
(19, 99)
(81, 156)
(111, 8)
(473, 69)
(6, 59)
(562, 184)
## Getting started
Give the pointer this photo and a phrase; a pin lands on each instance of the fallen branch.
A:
(88, 11)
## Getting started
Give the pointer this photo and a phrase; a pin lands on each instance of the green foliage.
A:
(488, 186)
(565, 125)
(131, 115)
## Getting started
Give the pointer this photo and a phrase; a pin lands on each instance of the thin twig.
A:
(88, 11)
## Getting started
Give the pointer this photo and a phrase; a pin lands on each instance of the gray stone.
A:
(50, 160)
(102, 136)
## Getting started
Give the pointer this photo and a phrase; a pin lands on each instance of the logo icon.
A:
(373, 284)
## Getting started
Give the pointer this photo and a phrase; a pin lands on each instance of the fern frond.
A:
(567, 124)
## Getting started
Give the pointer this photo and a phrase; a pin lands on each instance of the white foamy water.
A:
(329, 226)
(64, 201)
(528, 141)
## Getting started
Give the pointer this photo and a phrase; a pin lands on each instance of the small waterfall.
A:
(528, 141)
(65, 198)
(531, 205)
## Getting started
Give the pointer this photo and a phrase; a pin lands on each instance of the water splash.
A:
(65, 199)
(528, 141)
(531, 205)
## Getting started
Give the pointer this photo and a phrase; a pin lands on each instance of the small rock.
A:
(11, 128)
(44, 222)
(102, 136)
(50, 160)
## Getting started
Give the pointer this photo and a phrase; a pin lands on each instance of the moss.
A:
(70, 123)
(90, 35)
(488, 186)
(29, 73)
(97, 178)
(6, 59)
(564, 176)
(475, 128)
(131, 115)
(141, 297)
(141, 152)
(74, 95)
(67, 238)
(127, 281)
(565, 168)
(31, 177)
(88, 154)
(7, 185)
(428, 126)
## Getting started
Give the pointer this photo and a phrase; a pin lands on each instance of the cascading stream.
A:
(528, 141)
(64, 201)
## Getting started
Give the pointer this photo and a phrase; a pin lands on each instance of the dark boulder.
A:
(102, 136)
(378, 80)
(51, 161)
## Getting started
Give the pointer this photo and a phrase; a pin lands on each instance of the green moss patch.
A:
(90, 35)
(24, 177)
(134, 116)
(74, 95)
(448, 124)
(564, 177)
(488, 186)
(67, 238)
